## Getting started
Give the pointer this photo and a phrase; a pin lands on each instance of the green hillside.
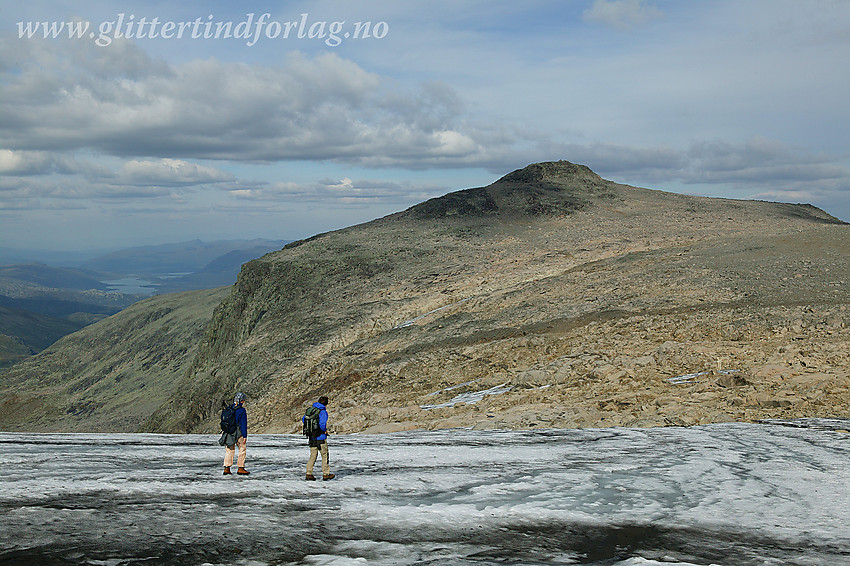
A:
(24, 333)
(111, 375)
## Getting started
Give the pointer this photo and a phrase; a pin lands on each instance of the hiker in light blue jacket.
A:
(319, 442)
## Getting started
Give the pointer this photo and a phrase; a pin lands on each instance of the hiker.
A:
(238, 437)
(316, 427)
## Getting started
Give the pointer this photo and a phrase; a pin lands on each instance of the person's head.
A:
(323, 400)
(239, 399)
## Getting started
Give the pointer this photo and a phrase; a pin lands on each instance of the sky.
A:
(162, 122)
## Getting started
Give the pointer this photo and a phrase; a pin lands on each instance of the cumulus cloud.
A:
(319, 108)
(70, 107)
(24, 162)
(30, 163)
(621, 14)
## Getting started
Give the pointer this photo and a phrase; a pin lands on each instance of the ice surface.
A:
(731, 494)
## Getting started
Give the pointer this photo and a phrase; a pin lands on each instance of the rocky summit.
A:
(551, 298)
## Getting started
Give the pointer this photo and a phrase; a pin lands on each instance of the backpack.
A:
(228, 420)
(311, 423)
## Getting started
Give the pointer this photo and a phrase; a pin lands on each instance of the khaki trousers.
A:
(230, 450)
(314, 453)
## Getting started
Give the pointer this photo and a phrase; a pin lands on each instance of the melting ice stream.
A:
(730, 494)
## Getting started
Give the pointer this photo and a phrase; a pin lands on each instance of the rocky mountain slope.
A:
(572, 299)
(552, 297)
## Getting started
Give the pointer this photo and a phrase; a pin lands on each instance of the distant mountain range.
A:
(55, 258)
(183, 257)
(40, 275)
(221, 270)
(40, 303)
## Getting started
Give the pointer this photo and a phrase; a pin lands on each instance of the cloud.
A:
(39, 180)
(52, 192)
(24, 162)
(319, 108)
(624, 159)
(344, 192)
(170, 172)
(792, 195)
(759, 160)
(621, 14)
(752, 164)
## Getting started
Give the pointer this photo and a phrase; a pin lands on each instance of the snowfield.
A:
(733, 494)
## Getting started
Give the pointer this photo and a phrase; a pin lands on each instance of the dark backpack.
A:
(228, 420)
(311, 423)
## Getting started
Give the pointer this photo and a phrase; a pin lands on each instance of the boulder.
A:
(731, 380)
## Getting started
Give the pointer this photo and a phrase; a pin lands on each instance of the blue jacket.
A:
(242, 420)
(323, 420)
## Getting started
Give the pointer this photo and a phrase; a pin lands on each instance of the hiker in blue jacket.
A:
(237, 439)
(319, 442)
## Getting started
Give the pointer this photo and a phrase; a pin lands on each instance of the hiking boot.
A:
(328, 477)
(311, 477)
(242, 472)
(227, 470)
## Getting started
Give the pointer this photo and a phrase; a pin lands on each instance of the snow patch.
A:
(472, 397)
(413, 321)
(692, 377)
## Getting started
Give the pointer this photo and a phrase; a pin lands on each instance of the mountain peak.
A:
(550, 171)
(549, 188)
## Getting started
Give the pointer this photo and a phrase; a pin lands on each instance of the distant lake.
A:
(131, 286)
